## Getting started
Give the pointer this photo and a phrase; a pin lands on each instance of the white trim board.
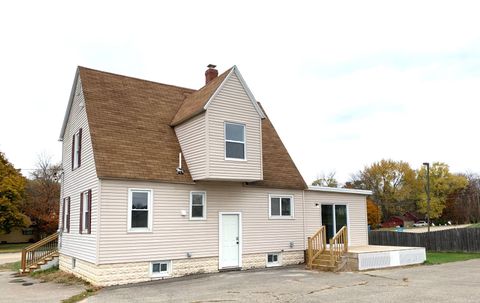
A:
(340, 190)
(245, 87)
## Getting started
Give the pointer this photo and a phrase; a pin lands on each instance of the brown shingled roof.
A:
(279, 170)
(132, 138)
(129, 124)
(195, 103)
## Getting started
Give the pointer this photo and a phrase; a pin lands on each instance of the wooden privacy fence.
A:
(458, 239)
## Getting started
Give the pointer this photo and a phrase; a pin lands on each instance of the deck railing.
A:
(37, 252)
(338, 245)
(316, 245)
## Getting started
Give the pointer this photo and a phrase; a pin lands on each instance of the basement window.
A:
(273, 259)
(160, 269)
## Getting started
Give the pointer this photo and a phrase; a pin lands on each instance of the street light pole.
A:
(428, 201)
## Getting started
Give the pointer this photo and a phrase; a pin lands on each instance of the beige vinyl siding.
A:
(192, 138)
(357, 214)
(174, 235)
(82, 246)
(232, 104)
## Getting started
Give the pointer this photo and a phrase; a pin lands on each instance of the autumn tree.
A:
(374, 215)
(43, 194)
(442, 184)
(393, 183)
(326, 180)
(12, 190)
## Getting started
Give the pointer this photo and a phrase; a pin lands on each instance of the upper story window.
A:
(281, 207)
(86, 212)
(66, 215)
(235, 141)
(139, 210)
(198, 206)
(76, 149)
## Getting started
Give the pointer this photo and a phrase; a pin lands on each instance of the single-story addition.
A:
(164, 181)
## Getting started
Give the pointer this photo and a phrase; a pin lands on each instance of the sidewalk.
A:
(10, 257)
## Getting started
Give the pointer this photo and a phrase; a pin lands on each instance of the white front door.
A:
(230, 237)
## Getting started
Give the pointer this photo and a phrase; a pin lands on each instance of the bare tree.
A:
(326, 180)
(43, 194)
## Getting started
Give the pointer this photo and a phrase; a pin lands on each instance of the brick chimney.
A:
(211, 73)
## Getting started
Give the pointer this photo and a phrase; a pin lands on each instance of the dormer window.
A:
(234, 141)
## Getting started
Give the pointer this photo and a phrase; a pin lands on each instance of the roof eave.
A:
(340, 190)
(196, 113)
(69, 106)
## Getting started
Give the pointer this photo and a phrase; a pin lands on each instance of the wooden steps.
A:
(40, 253)
(327, 258)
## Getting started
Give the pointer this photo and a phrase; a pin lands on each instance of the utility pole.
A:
(428, 202)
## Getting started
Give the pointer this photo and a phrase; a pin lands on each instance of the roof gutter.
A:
(340, 190)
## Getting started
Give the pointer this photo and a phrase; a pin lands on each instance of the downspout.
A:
(304, 226)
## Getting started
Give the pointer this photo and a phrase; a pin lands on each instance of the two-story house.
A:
(164, 181)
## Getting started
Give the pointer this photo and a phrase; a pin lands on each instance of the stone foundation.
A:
(124, 273)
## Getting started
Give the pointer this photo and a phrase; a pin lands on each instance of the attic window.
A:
(76, 149)
(234, 141)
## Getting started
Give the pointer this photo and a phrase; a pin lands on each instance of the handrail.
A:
(39, 251)
(316, 245)
(338, 245)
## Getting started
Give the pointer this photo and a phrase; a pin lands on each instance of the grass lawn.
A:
(476, 225)
(9, 248)
(445, 257)
(15, 266)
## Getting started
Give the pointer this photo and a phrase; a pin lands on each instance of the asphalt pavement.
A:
(451, 282)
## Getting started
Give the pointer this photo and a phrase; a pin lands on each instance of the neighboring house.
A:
(413, 216)
(164, 181)
(395, 221)
(20, 235)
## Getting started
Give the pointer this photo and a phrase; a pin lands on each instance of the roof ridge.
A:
(135, 78)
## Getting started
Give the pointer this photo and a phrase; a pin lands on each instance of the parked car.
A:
(420, 224)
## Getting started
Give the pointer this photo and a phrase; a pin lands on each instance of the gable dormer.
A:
(219, 128)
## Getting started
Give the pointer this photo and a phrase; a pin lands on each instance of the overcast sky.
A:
(344, 83)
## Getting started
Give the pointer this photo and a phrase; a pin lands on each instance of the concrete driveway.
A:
(15, 288)
(452, 282)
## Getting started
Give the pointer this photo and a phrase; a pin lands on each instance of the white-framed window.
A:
(235, 141)
(273, 259)
(160, 268)
(140, 210)
(281, 207)
(198, 205)
(85, 212)
(76, 149)
(66, 215)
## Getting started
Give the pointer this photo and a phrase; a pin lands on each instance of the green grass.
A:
(17, 247)
(15, 266)
(55, 275)
(476, 225)
(77, 298)
(445, 257)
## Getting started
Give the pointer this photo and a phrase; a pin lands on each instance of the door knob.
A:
(237, 240)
